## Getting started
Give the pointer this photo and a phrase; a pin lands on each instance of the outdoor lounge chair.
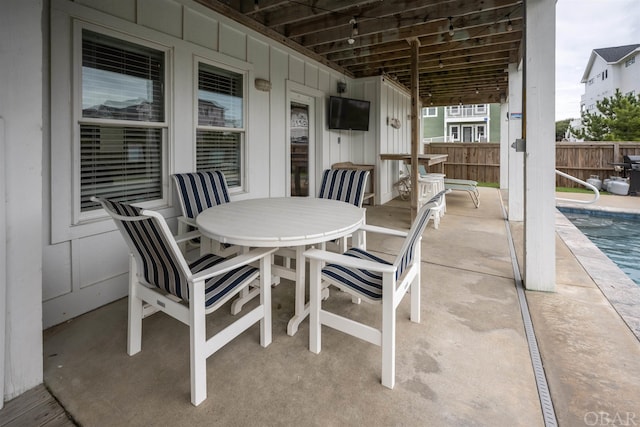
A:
(161, 280)
(471, 187)
(198, 191)
(374, 280)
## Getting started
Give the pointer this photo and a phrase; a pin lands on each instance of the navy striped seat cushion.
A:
(369, 283)
(219, 286)
(201, 190)
(364, 282)
(161, 266)
(345, 185)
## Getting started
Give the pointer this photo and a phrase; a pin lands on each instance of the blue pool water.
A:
(616, 235)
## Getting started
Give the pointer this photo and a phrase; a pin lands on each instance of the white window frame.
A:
(81, 217)
(454, 110)
(243, 187)
(630, 61)
(430, 112)
(457, 131)
(482, 127)
(481, 108)
(67, 19)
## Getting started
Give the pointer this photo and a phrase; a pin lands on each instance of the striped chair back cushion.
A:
(345, 185)
(201, 190)
(405, 257)
(159, 263)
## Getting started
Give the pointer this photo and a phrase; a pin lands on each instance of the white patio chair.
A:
(346, 185)
(198, 191)
(161, 280)
(429, 185)
(374, 280)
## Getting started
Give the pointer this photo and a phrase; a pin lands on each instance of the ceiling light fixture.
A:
(451, 30)
(354, 31)
(477, 91)
(509, 25)
(440, 63)
(256, 4)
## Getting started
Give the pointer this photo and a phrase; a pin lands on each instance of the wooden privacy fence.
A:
(583, 159)
(481, 161)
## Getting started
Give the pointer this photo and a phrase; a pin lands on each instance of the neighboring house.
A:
(609, 69)
(461, 123)
(574, 128)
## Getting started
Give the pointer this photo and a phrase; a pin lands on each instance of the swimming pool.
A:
(616, 235)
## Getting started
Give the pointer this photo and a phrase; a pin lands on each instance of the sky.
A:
(581, 27)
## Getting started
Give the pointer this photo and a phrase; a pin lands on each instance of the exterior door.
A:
(300, 145)
(467, 133)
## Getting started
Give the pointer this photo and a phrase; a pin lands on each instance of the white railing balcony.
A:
(466, 111)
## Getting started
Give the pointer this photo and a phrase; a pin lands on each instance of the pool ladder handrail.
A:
(579, 181)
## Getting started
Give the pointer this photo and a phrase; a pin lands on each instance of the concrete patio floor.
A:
(467, 363)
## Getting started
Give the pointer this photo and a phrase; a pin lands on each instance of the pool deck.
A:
(606, 202)
(622, 292)
(468, 362)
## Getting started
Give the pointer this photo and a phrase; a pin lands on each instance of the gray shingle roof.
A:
(614, 54)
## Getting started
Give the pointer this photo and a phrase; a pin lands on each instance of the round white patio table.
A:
(279, 223)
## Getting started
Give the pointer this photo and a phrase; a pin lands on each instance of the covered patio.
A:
(64, 265)
(467, 363)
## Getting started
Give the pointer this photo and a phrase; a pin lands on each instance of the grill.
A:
(632, 171)
(631, 163)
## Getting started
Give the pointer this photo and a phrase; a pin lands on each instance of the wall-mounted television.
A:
(348, 114)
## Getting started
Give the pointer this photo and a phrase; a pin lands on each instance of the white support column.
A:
(21, 110)
(540, 244)
(516, 159)
(504, 145)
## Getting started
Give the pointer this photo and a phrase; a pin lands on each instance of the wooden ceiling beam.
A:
(396, 13)
(432, 47)
(432, 66)
(399, 57)
(381, 31)
(231, 13)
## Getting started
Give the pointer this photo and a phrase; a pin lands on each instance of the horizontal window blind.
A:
(220, 100)
(123, 164)
(121, 80)
(220, 151)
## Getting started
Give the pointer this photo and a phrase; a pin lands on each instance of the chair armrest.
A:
(235, 262)
(383, 230)
(349, 261)
(185, 237)
(188, 221)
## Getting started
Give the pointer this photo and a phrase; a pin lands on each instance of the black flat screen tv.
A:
(348, 114)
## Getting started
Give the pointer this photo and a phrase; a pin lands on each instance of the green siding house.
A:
(461, 123)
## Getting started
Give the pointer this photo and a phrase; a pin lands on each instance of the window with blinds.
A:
(122, 128)
(220, 130)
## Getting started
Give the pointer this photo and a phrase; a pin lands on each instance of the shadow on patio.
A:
(466, 363)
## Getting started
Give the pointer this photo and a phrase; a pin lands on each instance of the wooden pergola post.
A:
(415, 125)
